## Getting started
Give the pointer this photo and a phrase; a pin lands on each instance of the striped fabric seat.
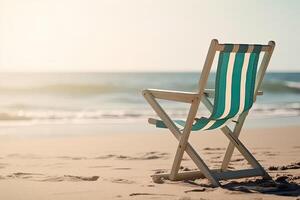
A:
(234, 89)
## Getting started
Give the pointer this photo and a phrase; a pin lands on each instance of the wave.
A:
(80, 89)
(97, 89)
(291, 84)
(287, 110)
(68, 116)
(281, 87)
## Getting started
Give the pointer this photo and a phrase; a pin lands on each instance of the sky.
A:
(140, 35)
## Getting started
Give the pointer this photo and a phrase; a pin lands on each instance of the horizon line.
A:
(131, 71)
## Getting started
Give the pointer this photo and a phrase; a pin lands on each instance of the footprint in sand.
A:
(159, 171)
(215, 161)
(216, 157)
(213, 149)
(146, 156)
(45, 178)
(72, 157)
(23, 175)
(153, 155)
(70, 178)
(237, 160)
(122, 168)
(285, 167)
(100, 166)
(189, 198)
(23, 156)
(147, 194)
(196, 190)
(3, 165)
(121, 180)
(106, 156)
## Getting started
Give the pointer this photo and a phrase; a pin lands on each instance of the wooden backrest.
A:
(237, 80)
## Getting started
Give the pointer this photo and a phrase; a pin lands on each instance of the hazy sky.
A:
(140, 35)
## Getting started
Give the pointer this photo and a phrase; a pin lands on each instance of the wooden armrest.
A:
(180, 96)
(186, 97)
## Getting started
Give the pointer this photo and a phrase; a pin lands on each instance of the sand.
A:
(82, 162)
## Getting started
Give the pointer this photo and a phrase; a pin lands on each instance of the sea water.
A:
(33, 98)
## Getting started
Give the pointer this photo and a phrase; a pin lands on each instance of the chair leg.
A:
(184, 139)
(236, 132)
(202, 166)
(191, 151)
(227, 156)
(235, 142)
(244, 151)
(176, 162)
(176, 132)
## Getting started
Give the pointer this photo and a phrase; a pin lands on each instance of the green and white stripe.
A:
(234, 89)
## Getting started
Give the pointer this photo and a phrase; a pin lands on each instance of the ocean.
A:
(39, 98)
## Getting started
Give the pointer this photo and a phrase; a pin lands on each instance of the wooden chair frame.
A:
(194, 98)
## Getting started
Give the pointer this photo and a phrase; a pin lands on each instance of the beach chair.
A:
(237, 84)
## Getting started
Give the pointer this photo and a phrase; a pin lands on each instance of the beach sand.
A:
(84, 162)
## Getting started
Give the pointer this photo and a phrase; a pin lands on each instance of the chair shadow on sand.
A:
(281, 186)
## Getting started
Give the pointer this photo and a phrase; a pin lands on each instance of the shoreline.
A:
(115, 126)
